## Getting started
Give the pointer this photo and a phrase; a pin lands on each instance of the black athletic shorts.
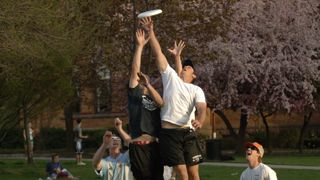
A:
(145, 161)
(179, 146)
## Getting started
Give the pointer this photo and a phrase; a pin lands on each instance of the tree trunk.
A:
(265, 122)
(69, 127)
(306, 120)
(226, 122)
(27, 132)
(242, 129)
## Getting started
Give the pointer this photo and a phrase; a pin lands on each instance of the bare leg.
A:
(181, 170)
(193, 172)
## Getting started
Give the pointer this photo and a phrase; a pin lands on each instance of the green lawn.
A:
(18, 169)
(305, 160)
(233, 173)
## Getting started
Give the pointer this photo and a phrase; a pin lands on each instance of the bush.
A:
(13, 140)
(55, 138)
(57, 135)
(228, 143)
(259, 136)
(94, 140)
(286, 138)
(51, 138)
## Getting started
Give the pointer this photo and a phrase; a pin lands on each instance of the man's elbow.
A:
(201, 106)
(160, 104)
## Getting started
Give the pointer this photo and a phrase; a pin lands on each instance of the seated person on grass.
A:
(55, 170)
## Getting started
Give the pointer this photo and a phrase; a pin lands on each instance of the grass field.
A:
(305, 160)
(16, 169)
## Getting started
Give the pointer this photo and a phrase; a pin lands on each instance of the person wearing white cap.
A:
(256, 170)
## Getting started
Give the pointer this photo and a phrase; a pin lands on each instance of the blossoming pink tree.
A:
(267, 62)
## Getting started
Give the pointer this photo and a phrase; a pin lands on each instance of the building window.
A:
(103, 90)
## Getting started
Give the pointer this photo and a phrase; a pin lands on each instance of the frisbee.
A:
(150, 13)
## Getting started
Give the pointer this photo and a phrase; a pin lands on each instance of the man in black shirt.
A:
(144, 104)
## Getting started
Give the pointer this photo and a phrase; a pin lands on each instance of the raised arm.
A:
(161, 60)
(96, 160)
(144, 80)
(141, 40)
(201, 115)
(176, 52)
(118, 125)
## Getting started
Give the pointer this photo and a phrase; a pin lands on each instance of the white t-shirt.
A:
(179, 98)
(116, 169)
(261, 172)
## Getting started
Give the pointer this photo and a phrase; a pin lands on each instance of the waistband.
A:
(141, 142)
(184, 129)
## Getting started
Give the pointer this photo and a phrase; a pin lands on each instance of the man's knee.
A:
(181, 171)
(194, 176)
(193, 172)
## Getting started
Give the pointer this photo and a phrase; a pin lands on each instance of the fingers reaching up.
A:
(177, 48)
(141, 38)
(146, 23)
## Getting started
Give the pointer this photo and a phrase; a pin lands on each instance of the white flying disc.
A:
(150, 13)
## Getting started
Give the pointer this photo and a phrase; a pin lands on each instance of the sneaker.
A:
(81, 164)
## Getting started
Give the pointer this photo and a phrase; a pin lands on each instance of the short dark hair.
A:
(54, 155)
(187, 62)
(78, 120)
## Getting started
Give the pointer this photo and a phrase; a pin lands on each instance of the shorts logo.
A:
(197, 158)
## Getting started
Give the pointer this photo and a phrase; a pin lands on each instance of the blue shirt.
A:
(52, 166)
(116, 168)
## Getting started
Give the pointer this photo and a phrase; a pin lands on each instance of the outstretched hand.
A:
(147, 24)
(143, 79)
(141, 38)
(177, 49)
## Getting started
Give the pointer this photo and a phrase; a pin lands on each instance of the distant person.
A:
(30, 137)
(78, 140)
(117, 165)
(256, 170)
(55, 170)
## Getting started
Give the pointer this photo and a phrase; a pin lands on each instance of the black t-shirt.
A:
(144, 115)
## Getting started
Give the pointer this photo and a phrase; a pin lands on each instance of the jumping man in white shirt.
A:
(178, 141)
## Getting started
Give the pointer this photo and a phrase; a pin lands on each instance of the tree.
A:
(307, 114)
(35, 61)
(266, 62)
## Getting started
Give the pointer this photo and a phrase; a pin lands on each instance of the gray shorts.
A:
(78, 147)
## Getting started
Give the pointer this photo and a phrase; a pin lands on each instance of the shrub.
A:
(228, 143)
(258, 136)
(52, 138)
(286, 138)
(13, 140)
